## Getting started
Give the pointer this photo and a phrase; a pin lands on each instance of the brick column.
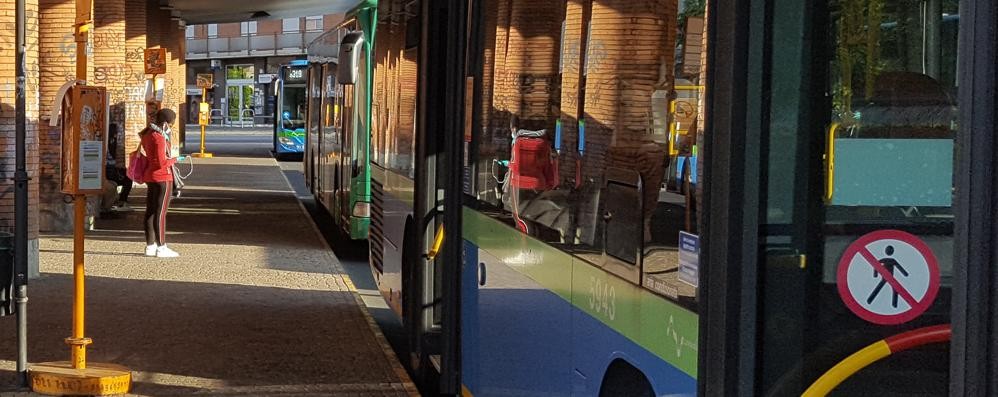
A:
(134, 89)
(57, 65)
(630, 56)
(110, 68)
(576, 19)
(7, 128)
(701, 121)
(529, 79)
(163, 32)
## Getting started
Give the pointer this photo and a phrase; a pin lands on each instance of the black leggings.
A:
(157, 203)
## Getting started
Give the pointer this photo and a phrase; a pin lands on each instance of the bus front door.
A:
(854, 195)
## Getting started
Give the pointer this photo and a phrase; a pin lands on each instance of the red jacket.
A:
(160, 164)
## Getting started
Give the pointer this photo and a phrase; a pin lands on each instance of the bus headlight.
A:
(362, 209)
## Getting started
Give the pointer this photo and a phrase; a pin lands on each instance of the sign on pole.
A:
(83, 141)
(205, 80)
(888, 277)
(155, 60)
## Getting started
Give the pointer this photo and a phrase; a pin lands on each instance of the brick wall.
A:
(135, 40)
(270, 26)
(229, 30)
(329, 21)
(630, 55)
(109, 62)
(576, 20)
(162, 32)
(630, 44)
(57, 65)
(394, 90)
(7, 114)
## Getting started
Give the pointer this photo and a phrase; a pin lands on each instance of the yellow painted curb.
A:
(60, 379)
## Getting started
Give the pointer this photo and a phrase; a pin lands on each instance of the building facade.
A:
(244, 59)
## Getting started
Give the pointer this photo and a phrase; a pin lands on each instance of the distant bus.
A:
(292, 108)
(338, 124)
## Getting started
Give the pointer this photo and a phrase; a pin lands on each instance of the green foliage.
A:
(693, 8)
(858, 49)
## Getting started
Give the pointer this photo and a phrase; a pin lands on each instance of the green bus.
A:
(521, 229)
(339, 118)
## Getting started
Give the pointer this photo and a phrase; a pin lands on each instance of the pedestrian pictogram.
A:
(888, 277)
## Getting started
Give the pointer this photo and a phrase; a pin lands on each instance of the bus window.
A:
(591, 146)
(857, 220)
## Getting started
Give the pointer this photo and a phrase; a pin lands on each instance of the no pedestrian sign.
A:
(888, 277)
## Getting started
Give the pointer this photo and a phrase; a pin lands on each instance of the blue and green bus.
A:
(521, 230)
(336, 166)
(291, 109)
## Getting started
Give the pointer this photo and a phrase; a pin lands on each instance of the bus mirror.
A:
(349, 58)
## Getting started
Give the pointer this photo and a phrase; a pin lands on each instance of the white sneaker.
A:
(166, 252)
(151, 250)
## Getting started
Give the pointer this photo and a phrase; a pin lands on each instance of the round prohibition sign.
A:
(888, 277)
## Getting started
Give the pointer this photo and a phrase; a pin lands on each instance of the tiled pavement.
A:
(256, 306)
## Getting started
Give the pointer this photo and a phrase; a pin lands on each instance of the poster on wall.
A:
(84, 139)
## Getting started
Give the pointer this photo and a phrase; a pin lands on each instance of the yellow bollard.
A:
(203, 121)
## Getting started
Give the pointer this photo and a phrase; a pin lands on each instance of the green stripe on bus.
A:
(652, 321)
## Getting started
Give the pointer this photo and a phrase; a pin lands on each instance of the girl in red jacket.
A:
(159, 179)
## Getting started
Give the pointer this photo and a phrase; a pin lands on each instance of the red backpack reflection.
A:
(531, 164)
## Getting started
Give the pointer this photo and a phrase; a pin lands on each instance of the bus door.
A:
(844, 162)
(433, 265)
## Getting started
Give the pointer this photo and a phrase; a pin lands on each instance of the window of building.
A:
(240, 72)
(189, 32)
(213, 30)
(247, 28)
(291, 25)
(313, 24)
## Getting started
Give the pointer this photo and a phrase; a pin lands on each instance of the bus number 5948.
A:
(602, 298)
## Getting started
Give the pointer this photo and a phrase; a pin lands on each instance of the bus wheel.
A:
(622, 379)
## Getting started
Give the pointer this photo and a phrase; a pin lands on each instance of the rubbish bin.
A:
(6, 274)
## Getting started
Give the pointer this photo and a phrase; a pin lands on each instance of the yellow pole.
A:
(204, 98)
(78, 343)
(75, 378)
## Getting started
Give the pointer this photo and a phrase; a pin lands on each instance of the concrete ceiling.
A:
(196, 12)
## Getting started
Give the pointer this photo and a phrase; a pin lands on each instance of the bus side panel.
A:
(396, 205)
(470, 364)
(522, 339)
(615, 319)
(529, 288)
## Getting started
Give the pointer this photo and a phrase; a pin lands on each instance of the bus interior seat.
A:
(551, 209)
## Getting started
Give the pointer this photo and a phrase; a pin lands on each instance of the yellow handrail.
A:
(830, 163)
(438, 241)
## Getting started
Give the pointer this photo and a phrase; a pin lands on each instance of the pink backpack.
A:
(137, 163)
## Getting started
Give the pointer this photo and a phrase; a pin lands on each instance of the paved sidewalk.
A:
(257, 304)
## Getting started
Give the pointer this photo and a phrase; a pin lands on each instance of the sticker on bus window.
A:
(689, 258)
(888, 277)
